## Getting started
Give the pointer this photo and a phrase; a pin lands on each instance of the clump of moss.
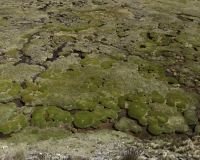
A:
(155, 120)
(150, 70)
(11, 52)
(171, 80)
(13, 124)
(86, 104)
(166, 119)
(126, 124)
(9, 90)
(92, 83)
(157, 38)
(32, 135)
(50, 116)
(107, 64)
(6, 111)
(89, 61)
(177, 100)
(85, 119)
(137, 109)
(145, 47)
(190, 116)
(157, 97)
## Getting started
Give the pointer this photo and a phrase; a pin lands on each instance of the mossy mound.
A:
(126, 124)
(85, 119)
(156, 38)
(34, 135)
(167, 118)
(177, 100)
(9, 120)
(6, 111)
(190, 116)
(109, 103)
(157, 97)
(156, 120)
(155, 129)
(149, 70)
(9, 90)
(86, 104)
(89, 61)
(197, 128)
(14, 124)
(145, 47)
(50, 116)
(107, 64)
(137, 109)
(92, 83)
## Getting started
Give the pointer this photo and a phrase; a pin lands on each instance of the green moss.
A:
(6, 111)
(145, 47)
(15, 89)
(126, 124)
(48, 26)
(149, 70)
(155, 129)
(107, 103)
(50, 116)
(32, 135)
(157, 38)
(72, 73)
(159, 116)
(190, 116)
(83, 119)
(197, 128)
(11, 52)
(109, 113)
(14, 124)
(157, 97)
(28, 35)
(168, 118)
(121, 102)
(122, 34)
(28, 110)
(152, 120)
(94, 79)
(177, 100)
(65, 38)
(107, 64)
(89, 61)
(64, 53)
(89, 87)
(171, 80)
(86, 104)
(137, 109)
(133, 97)
(143, 121)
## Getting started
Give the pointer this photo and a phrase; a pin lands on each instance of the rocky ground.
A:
(73, 72)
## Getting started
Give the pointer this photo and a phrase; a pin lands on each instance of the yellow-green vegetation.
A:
(33, 135)
(50, 116)
(13, 51)
(11, 121)
(9, 90)
(126, 124)
(177, 100)
(90, 62)
(84, 119)
(14, 124)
